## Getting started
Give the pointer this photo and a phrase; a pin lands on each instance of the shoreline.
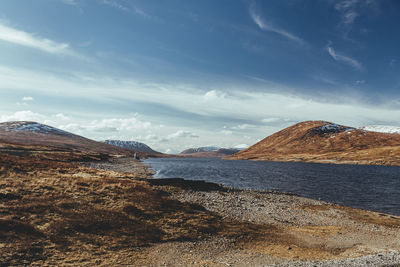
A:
(59, 210)
(349, 196)
(311, 232)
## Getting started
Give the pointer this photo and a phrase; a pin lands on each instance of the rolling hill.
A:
(132, 145)
(33, 134)
(326, 142)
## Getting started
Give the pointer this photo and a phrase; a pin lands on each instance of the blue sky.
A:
(176, 74)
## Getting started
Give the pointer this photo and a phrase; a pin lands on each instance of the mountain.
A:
(132, 145)
(209, 151)
(200, 149)
(28, 133)
(326, 142)
(381, 129)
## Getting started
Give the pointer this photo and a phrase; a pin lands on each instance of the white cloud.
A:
(62, 117)
(124, 7)
(151, 137)
(182, 134)
(69, 2)
(350, 10)
(346, 4)
(27, 98)
(243, 126)
(226, 132)
(269, 120)
(345, 59)
(213, 95)
(241, 146)
(111, 125)
(88, 128)
(349, 17)
(241, 105)
(267, 27)
(24, 115)
(19, 37)
(359, 82)
(168, 151)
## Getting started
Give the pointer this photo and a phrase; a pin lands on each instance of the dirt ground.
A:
(90, 209)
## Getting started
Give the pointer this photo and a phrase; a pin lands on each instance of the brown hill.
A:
(26, 133)
(326, 142)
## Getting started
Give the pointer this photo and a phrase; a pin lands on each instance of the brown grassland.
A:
(57, 210)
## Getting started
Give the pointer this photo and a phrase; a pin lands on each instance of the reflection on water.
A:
(368, 187)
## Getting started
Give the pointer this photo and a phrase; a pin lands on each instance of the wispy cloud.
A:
(126, 6)
(251, 113)
(270, 28)
(347, 10)
(27, 98)
(213, 95)
(69, 2)
(182, 134)
(350, 10)
(23, 38)
(345, 59)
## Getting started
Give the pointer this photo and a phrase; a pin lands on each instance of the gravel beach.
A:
(297, 231)
(312, 232)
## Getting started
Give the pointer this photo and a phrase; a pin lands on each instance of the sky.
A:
(179, 74)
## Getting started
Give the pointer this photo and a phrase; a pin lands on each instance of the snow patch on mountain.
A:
(331, 128)
(381, 128)
(133, 145)
(200, 149)
(26, 126)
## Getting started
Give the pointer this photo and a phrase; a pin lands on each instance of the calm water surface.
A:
(367, 187)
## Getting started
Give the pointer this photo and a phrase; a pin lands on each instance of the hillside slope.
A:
(27, 133)
(321, 141)
(132, 145)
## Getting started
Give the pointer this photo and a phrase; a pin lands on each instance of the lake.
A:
(361, 186)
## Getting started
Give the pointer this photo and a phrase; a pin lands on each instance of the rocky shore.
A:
(302, 231)
(80, 209)
(307, 232)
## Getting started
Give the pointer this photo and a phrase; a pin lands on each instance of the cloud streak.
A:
(348, 13)
(23, 38)
(257, 19)
(69, 2)
(257, 111)
(182, 134)
(124, 7)
(345, 59)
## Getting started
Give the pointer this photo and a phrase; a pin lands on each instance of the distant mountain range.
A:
(310, 141)
(132, 145)
(326, 142)
(41, 136)
(200, 149)
(209, 151)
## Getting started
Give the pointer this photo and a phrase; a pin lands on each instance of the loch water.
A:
(362, 186)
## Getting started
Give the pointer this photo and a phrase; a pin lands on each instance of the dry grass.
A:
(51, 205)
(55, 211)
(302, 142)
